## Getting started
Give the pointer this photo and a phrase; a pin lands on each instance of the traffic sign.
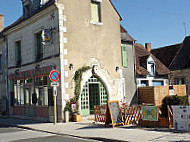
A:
(54, 84)
(54, 75)
(55, 91)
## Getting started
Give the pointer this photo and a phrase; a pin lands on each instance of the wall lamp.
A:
(37, 67)
(116, 68)
(17, 71)
(70, 66)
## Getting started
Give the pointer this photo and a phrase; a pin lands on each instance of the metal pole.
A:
(55, 109)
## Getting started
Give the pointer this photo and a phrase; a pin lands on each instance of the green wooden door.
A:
(85, 100)
(94, 95)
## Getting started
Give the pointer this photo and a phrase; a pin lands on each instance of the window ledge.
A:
(96, 23)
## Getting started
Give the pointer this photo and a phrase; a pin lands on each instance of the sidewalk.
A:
(89, 129)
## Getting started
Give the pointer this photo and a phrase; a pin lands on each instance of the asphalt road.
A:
(14, 134)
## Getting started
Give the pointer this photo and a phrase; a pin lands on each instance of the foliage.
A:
(77, 78)
(172, 100)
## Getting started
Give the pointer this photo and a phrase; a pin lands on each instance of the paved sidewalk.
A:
(89, 129)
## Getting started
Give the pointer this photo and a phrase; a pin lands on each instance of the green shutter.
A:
(124, 56)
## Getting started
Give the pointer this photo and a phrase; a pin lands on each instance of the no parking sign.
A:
(54, 75)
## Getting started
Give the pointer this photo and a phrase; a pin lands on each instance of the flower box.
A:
(77, 118)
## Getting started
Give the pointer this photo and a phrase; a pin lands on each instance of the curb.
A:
(62, 134)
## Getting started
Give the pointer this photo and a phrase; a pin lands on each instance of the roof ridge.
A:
(167, 46)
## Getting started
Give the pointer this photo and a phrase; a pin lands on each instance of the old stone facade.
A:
(82, 33)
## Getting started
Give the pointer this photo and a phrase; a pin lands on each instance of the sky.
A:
(159, 22)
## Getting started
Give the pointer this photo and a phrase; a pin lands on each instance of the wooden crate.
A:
(77, 118)
(155, 94)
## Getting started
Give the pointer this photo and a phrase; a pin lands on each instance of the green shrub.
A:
(172, 100)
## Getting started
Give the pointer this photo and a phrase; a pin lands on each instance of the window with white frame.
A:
(151, 66)
(96, 11)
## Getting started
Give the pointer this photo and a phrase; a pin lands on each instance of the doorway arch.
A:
(93, 93)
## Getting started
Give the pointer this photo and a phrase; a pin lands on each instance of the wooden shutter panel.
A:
(124, 56)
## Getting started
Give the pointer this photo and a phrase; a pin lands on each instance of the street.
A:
(14, 134)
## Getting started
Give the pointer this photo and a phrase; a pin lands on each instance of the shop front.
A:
(31, 93)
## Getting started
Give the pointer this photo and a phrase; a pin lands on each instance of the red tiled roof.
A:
(142, 55)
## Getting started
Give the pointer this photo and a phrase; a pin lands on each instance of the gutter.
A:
(7, 75)
(135, 73)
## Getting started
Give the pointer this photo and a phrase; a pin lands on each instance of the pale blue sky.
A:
(159, 22)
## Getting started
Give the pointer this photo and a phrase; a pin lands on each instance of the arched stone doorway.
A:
(93, 93)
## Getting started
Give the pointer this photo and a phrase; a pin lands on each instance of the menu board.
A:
(113, 113)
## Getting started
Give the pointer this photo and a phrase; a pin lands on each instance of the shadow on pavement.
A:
(154, 129)
(15, 122)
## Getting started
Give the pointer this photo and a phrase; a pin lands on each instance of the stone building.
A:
(128, 63)
(64, 35)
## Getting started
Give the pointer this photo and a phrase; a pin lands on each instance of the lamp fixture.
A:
(116, 68)
(17, 71)
(37, 67)
(70, 66)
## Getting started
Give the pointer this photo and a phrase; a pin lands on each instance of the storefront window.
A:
(18, 92)
(25, 94)
(41, 90)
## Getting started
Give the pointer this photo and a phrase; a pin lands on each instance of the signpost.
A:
(54, 76)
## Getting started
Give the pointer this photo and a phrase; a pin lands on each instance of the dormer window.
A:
(26, 11)
(151, 66)
(26, 8)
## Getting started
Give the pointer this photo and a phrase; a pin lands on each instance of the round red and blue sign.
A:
(54, 75)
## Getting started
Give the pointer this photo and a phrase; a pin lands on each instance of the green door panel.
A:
(93, 93)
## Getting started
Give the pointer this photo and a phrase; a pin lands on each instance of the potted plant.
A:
(76, 116)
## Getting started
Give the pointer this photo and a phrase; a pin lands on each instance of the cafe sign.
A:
(31, 73)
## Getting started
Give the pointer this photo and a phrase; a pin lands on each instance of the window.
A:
(95, 11)
(18, 53)
(39, 47)
(157, 83)
(179, 81)
(144, 83)
(124, 56)
(18, 92)
(0, 63)
(151, 66)
(41, 90)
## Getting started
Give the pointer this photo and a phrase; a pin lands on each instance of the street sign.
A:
(54, 84)
(55, 91)
(54, 75)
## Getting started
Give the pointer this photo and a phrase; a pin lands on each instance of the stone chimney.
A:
(148, 46)
(1, 22)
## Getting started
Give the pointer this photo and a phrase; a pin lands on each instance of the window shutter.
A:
(95, 12)
(124, 56)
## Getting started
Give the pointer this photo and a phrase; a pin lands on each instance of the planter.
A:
(163, 122)
(77, 118)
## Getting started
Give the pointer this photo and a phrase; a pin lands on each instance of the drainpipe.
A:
(134, 60)
(7, 75)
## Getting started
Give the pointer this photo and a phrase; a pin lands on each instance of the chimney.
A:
(148, 46)
(1, 22)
